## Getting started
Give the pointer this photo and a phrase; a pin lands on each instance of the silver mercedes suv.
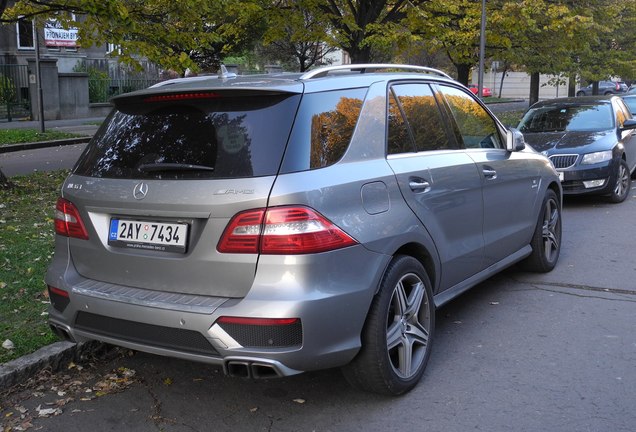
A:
(277, 224)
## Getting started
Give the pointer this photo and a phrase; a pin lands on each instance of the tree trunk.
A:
(534, 88)
(463, 71)
(4, 181)
(360, 55)
(572, 85)
(503, 76)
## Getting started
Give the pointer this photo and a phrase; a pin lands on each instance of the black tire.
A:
(579, 94)
(398, 333)
(623, 183)
(546, 241)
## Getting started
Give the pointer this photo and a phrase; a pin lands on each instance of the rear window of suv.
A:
(220, 137)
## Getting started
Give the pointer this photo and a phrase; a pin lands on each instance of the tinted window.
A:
(631, 104)
(213, 138)
(423, 116)
(399, 140)
(473, 124)
(323, 129)
(552, 118)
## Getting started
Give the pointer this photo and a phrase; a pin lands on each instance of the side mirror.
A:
(515, 140)
(629, 124)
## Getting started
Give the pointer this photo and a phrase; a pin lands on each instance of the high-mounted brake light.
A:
(181, 96)
(282, 231)
(68, 221)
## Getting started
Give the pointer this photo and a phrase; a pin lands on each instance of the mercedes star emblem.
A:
(140, 191)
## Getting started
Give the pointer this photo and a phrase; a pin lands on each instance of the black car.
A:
(591, 141)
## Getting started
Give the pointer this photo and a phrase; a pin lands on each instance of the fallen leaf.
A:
(167, 381)
(254, 409)
(48, 412)
(299, 401)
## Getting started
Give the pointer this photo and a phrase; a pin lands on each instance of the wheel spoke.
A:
(414, 300)
(401, 299)
(394, 335)
(406, 358)
(417, 334)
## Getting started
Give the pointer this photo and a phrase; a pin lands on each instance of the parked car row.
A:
(285, 223)
(590, 140)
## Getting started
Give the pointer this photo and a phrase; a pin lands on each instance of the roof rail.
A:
(370, 67)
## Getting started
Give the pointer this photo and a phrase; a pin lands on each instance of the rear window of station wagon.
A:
(223, 137)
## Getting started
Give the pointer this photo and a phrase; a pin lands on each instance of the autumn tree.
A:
(361, 27)
(174, 34)
(296, 33)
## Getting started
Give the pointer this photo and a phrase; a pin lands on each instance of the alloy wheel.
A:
(408, 326)
(622, 181)
(551, 228)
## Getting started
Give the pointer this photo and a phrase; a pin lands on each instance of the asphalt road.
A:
(520, 352)
(44, 159)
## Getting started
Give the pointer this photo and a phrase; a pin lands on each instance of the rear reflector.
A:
(68, 222)
(57, 291)
(282, 231)
(257, 321)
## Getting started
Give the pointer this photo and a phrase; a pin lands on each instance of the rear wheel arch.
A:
(422, 254)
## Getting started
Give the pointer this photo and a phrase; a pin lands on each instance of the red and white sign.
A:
(58, 37)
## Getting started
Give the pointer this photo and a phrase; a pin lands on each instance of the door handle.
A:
(419, 185)
(490, 173)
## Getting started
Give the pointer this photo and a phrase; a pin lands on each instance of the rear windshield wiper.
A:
(156, 167)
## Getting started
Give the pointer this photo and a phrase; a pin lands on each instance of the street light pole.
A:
(38, 74)
(482, 49)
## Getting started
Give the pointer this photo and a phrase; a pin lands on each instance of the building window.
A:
(24, 30)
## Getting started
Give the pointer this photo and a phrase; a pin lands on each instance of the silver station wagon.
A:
(278, 224)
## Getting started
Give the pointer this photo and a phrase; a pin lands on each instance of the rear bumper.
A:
(331, 314)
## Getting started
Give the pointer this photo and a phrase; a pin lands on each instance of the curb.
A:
(53, 356)
(43, 144)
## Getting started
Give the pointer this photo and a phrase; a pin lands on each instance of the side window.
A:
(332, 124)
(475, 126)
(423, 116)
(399, 140)
(413, 112)
(622, 113)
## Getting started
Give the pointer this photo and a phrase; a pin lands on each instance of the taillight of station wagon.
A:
(68, 222)
(282, 230)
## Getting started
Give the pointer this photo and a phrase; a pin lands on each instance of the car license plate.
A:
(158, 236)
(561, 176)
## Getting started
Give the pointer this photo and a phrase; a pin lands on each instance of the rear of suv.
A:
(604, 88)
(278, 224)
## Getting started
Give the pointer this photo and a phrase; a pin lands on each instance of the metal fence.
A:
(14, 92)
(102, 89)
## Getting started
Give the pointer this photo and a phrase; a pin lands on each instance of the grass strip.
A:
(18, 136)
(26, 248)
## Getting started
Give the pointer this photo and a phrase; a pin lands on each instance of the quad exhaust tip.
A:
(246, 369)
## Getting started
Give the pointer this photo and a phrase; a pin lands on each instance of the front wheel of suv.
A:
(398, 333)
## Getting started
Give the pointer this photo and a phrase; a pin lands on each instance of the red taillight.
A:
(68, 221)
(257, 321)
(180, 97)
(282, 230)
